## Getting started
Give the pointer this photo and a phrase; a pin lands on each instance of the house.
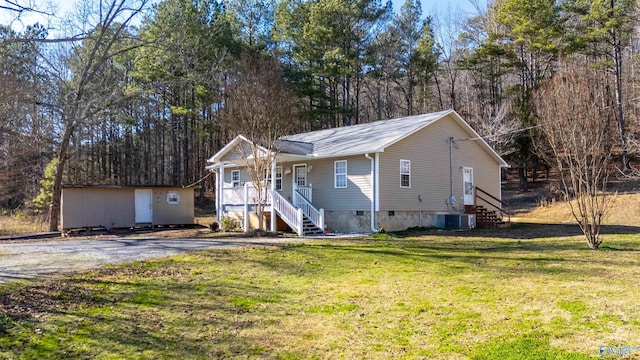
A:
(114, 206)
(388, 174)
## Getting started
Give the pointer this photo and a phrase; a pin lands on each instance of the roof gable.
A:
(231, 148)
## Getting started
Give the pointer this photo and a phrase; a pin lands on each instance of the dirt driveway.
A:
(27, 260)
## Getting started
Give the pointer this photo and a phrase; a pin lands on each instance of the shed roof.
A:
(108, 186)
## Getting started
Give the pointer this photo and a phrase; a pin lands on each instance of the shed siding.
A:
(90, 207)
(115, 207)
(181, 213)
(428, 151)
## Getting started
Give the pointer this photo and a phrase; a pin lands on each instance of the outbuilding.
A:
(126, 206)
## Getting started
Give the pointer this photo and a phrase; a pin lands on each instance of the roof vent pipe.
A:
(373, 194)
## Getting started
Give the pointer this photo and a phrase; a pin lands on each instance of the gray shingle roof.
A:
(356, 139)
(361, 138)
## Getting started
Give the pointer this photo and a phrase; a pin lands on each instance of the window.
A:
(405, 173)
(235, 178)
(278, 177)
(173, 198)
(340, 171)
(266, 177)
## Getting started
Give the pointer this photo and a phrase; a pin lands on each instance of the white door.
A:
(467, 186)
(144, 210)
(299, 175)
(300, 180)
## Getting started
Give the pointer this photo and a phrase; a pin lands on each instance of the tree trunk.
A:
(522, 176)
(617, 55)
(54, 215)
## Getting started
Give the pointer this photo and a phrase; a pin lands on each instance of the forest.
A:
(134, 92)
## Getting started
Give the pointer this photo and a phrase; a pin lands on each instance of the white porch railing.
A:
(305, 191)
(314, 215)
(290, 214)
(235, 195)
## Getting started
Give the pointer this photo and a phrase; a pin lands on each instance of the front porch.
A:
(299, 214)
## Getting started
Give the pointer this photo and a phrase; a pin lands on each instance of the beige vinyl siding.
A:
(115, 207)
(357, 194)
(240, 151)
(90, 207)
(287, 179)
(428, 151)
(168, 214)
(244, 176)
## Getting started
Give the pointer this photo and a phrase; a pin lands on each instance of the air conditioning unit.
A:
(455, 221)
(467, 221)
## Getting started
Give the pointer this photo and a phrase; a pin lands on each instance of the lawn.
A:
(520, 293)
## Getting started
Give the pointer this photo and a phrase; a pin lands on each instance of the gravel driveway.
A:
(26, 260)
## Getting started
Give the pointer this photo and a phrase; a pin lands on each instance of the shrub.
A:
(45, 197)
(229, 224)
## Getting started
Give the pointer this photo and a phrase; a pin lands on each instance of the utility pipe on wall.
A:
(451, 200)
(373, 193)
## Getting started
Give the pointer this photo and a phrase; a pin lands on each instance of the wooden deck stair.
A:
(488, 218)
(310, 229)
(499, 216)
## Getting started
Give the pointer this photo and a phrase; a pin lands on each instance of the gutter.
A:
(373, 193)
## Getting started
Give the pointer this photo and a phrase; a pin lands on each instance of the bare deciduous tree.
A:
(499, 131)
(576, 118)
(260, 108)
(84, 96)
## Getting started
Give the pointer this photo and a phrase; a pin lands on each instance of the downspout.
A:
(373, 193)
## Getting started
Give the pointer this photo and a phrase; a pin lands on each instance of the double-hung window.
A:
(405, 173)
(340, 173)
(267, 177)
(235, 178)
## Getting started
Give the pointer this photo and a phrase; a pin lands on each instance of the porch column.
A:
(246, 207)
(273, 190)
(217, 193)
(221, 192)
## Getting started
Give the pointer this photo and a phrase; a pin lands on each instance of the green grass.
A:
(470, 295)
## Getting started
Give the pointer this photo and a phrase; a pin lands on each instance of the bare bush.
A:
(576, 118)
(260, 107)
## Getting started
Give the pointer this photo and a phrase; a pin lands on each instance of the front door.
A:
(467, 186)
(300, 179)
(143, 208)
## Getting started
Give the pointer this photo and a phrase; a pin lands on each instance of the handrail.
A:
(305, 191)
(289, 213)
(235, 195)
(504, 207)
(316, 216)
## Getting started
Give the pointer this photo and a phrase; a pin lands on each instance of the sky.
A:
(443, 6)
(455, 8)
